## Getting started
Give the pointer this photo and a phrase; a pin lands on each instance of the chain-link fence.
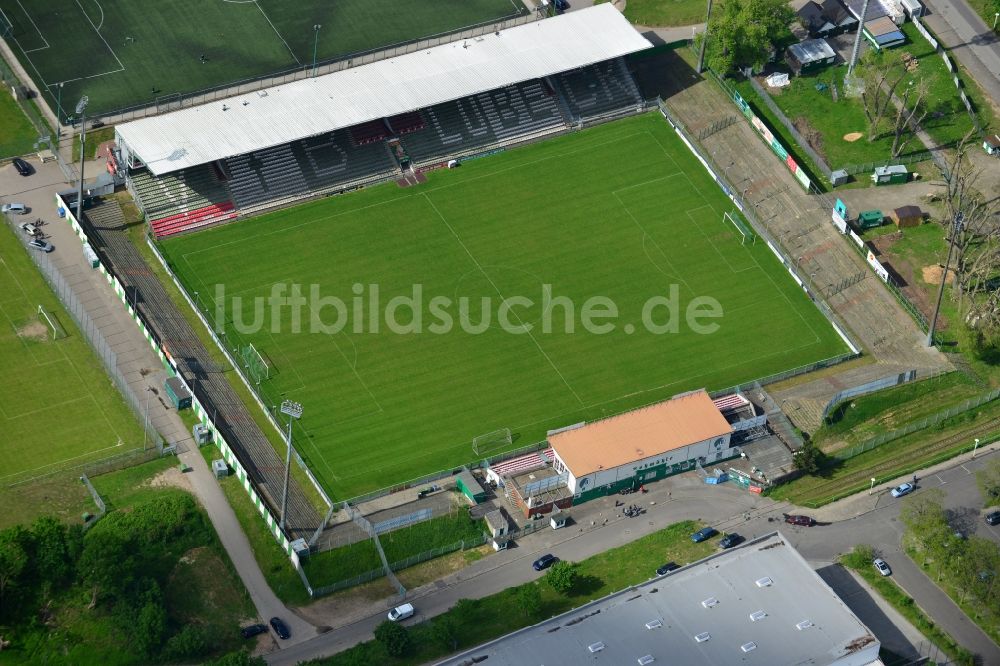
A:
(95, 338)
(800, 140)
(916, 426)
(44, 134)
(866, 388)
(101, 507)
(869, 167)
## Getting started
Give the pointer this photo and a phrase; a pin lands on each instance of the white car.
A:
(401, 612)
(902, 489)
(882, 567)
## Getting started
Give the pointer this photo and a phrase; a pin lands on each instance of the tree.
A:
(394, 638)
(911, 111)
(53, 552)
(149, 627)
(924, 511)
(188, 643)
(106, 564)
(988, 480)
(562, 576)
(743, 33)
(881, 75)
(444, 631)
(13, 560)
(529, 599)
(809, 459)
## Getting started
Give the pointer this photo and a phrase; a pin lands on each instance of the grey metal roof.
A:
(759, 603)
(813, 50)
(256, 120)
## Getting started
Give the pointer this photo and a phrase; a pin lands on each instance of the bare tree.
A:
(881, 76)
(910, 113)
(977, 242)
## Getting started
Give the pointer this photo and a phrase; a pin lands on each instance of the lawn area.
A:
(423, 380)
(664, 12)
(815, 111)
(122, 53)
(17, 134)
(860, 561)
(479, 620)
(94, 139)
(893, 459)
(864, 417)
(46, 377)
(339, 564)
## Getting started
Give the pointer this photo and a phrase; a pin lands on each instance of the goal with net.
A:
(255, 364)
(492, 442)
(741, 227)
(58, 332)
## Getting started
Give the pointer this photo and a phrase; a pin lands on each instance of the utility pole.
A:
(857, 41)
(294, 411)
(315, 44)
(81, 109)
(704, 39)
(955, 230)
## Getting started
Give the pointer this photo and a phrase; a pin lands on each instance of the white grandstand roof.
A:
(388, 87)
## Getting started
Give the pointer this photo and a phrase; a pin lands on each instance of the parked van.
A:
(401, 612)
(14, 208)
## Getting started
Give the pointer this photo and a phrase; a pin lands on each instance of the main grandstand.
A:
(389, 119)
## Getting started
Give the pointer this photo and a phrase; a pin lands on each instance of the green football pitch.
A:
(58, 408)
(123, 53)
(621, 211)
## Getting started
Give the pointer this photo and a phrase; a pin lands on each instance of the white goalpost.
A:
(255, 363)
(492, 442)
(58, 331)
(741, 228)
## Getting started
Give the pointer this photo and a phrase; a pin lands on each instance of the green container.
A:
(869, 219)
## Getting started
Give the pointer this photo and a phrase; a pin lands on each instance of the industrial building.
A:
(758, 603)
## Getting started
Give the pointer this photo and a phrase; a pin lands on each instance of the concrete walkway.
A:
(143, 371)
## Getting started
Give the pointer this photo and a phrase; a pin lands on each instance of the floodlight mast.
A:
(81, 108)
(294, 411)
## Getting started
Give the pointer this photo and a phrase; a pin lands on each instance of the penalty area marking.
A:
(35, 25)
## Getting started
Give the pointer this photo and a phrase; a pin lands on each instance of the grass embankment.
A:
(860, 561)
(19, 135)
(841, 478)
(476, 621)
(668, 13)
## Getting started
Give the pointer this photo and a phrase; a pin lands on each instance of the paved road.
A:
(142, 370)
(973, 42)
(685, 497)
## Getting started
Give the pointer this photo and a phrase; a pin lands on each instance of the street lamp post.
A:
(955, 230)
(59, 111)
(315, 44)
(294, 411)
(995, 17)
(81, 109)
(975, 447)
(871, 488)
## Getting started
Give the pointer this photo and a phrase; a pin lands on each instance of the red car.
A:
(804, 521)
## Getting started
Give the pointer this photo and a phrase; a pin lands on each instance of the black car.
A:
(704, 534)
(280, 628)
(544, 562)
(993, 518)
(561, 5)
(253, 630)
(729, 541)
(667, 568)
(22, 167)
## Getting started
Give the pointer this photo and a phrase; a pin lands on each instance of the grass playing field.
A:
(621, 211)
(57, 407)
(118, 52)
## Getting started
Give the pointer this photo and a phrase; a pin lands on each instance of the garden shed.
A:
(907, 216)
(991, 145)
(890, 175)
(809, 56)
(913, 8)
(883, 33)
(836, 13)
(812, 19)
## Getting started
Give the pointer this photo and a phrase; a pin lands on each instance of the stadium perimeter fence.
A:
(153, 444)
(181, 100)
(8, 80)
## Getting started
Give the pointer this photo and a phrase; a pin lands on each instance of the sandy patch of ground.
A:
(932, 274)
(170, 478)
(852, 137)
(34, 330)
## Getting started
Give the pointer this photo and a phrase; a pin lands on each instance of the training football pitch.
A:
(621, 211)
(123, 53)
(58, 408)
